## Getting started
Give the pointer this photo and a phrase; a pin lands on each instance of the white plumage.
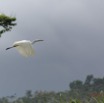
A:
(24, 47)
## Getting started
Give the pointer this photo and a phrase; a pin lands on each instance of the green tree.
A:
(89, 79)
(98, 84)
(76, 84)
(6, 23)
(88, 84)
(29, 93)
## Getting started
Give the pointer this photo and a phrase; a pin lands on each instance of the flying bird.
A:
(24, 47)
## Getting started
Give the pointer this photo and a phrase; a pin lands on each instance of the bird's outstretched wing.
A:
(36, 41)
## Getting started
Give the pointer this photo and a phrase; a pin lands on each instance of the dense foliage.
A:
(6, 23)
(88, 91)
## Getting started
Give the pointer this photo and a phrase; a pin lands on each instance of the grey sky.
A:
(73, 47)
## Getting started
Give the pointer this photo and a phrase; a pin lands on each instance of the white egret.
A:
(24, 47)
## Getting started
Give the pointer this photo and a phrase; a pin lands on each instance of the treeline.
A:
(88, 88)
(85, 91)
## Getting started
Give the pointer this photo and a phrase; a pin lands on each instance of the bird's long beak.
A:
(9, 48)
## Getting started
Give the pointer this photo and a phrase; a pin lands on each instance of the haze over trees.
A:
(83, 91)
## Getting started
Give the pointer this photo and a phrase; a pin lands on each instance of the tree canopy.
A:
(6, 23)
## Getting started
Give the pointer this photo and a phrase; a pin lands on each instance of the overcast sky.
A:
(73, 47)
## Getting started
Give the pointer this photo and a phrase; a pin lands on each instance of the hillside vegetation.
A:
(88, 91)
